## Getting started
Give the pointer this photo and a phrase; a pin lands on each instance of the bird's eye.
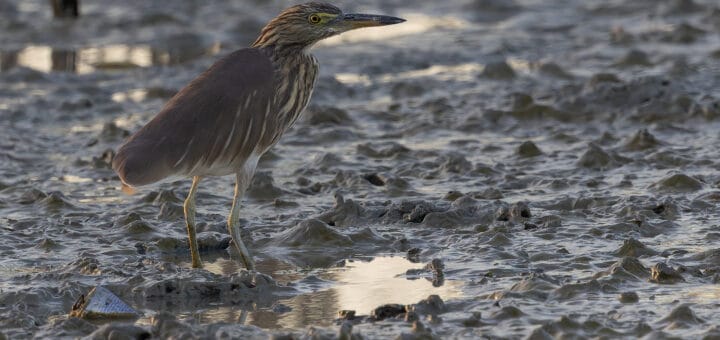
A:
(314, 19)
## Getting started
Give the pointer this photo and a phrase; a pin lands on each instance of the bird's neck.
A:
(286, 54)
(272, 39)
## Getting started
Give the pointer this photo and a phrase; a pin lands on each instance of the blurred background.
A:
(518, 141)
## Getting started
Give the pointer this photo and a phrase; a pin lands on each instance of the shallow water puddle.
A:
(701, 293)
(362, 286)
(359, 285)
(90, 59)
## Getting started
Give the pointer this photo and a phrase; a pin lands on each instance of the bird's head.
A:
(304, 25)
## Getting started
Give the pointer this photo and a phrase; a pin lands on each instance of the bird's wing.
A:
(215, 122)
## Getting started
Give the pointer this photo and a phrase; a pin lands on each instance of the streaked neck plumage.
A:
(272, 39)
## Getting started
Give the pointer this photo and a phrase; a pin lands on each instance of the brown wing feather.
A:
(203, 126)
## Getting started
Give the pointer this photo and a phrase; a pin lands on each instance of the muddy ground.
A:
(503, 168)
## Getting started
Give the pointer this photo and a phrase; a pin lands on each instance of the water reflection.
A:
(360, 286)
(318, 308)
(417, 23)
(458, 72)
(695, 294)
(90, 59)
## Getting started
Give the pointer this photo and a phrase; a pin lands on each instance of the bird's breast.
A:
(295, 85)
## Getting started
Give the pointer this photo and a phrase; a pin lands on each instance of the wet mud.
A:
(488, 168)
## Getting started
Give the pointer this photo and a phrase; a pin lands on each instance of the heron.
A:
(226, 118)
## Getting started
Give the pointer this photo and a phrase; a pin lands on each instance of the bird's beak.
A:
(354, 21)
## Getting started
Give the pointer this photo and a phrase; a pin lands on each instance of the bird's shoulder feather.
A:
(208, 126)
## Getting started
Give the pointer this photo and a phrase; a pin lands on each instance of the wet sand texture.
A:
(541, 169)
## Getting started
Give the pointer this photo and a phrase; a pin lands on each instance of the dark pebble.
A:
(628, 297)
(387, 311)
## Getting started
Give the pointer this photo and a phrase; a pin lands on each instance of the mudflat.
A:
(495, 168)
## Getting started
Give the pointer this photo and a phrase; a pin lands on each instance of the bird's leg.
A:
(243, 317)
(190, 220)
(241, 183)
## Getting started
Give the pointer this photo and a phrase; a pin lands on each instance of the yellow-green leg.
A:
(241, 183)
(190, 220)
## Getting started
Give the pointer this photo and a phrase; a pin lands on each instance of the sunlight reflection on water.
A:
(90, 59)
(416, 23)
(359, 285)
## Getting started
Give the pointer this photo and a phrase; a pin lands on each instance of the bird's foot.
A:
(254, 279)
(196, 263)
(248, 262)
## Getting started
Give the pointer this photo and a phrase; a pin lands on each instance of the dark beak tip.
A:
(380, 20)
(388, 20)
